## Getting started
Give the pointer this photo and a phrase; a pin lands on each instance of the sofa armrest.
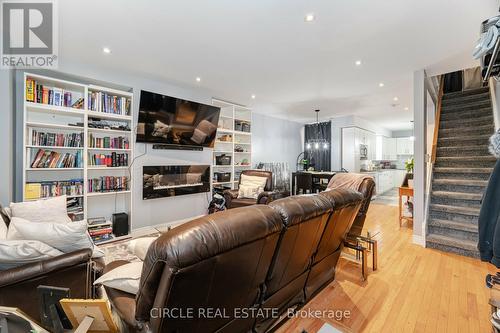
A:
(229, 195)
(267, 197)
(44, 267)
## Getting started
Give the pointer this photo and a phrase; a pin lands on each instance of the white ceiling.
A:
(264, 47)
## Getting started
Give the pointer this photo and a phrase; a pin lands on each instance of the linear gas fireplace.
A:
(174, 180)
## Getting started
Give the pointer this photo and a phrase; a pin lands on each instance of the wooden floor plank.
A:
(414, 290)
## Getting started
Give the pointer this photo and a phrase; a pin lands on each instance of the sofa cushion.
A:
(125, 277)
(139, 246)
(66, 237)
(14, 253)
(47, 210)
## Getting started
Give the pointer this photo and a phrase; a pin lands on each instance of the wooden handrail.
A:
(437, 120)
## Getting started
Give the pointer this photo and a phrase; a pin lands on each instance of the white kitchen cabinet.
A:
(386, 149)
(352, 138)
(404, 146)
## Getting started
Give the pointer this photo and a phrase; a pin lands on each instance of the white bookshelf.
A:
(240, 140)
(57, 119)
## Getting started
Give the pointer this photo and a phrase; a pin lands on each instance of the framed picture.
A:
(79, 309)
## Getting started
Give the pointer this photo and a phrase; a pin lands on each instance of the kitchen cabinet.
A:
(388, 149)
(404, 146)
(352, 139)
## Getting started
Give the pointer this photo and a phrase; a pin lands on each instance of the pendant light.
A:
(320, 142)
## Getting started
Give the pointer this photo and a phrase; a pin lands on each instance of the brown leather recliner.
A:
(250, 258)
(231, 196)
(18, 286)
(366, 188)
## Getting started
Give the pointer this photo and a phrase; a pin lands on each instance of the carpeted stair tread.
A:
(485, 120)
(463, 94)
(461, 151)
(462, 170)
(462, 226)
(472, 211)
(465, 138)
(465, 99)
(465, 244)
(463, 182)
(484, 158)
(476, 130)
(457, 195)
(466, 107)
(466, 114)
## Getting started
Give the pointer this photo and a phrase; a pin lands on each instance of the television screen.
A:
(173, 121)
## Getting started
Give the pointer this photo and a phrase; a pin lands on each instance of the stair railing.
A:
(437, 120)
(494, 101)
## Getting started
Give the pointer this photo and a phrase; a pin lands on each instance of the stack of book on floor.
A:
(100, 230)
(38, 93)
(54, 159)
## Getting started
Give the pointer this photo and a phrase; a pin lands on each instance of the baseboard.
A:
(144, 231)
(419, 240)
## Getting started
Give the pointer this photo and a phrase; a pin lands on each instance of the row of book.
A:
(55, 139)
(120, 142)
(48, 189)
(104, 102)
(107, 184)
(109, 160)
(38, 93)
(53, 159)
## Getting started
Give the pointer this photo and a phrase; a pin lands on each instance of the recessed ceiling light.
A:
(395, 99)
(358, 62)
(253, 96)
(407, 108)
(309, 18)
(106, 50)
(381, 84)
(198, 79)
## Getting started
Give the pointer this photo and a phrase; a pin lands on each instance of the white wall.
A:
(419, 115)
(349, 121)
(6, 136)
(275, 140)
(156, 211)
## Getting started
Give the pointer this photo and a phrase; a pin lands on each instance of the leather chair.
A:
(18, 286)
(219, 261)
(253, 257)
(231, 196)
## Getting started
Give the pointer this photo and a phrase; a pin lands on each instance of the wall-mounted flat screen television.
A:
(177, 122)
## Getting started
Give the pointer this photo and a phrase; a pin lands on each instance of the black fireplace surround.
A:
(174, 180)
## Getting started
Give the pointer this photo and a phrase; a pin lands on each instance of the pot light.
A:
(407, 108)
(106, 50)
(309, 18)
(198, 79)
(395, 99)
(253, 96)
(358, 62)
(412, 138)
(381, 84)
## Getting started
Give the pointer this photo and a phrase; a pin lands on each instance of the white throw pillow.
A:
(48, 210)
(251, 186)
(125, 278)
(139, 246)
(66, 237)
(3, 229)
(14, 253)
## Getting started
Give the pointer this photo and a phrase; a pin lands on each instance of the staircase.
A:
(461, 171)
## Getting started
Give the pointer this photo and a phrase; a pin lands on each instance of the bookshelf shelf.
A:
(54, 147)
(56, 126)
(100, 194)
(56, 118)
(108, 149)
(230, 114)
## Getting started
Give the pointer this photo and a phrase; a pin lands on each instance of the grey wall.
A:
(6, 136)
(275, 140)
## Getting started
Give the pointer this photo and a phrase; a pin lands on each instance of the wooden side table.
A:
(404, 191)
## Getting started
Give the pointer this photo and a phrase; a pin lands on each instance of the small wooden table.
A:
(404, 191)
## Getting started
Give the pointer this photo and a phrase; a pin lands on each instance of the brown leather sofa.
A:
(263, 259)
(18, 286)
(231, 196)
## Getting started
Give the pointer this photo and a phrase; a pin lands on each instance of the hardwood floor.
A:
(415, 289)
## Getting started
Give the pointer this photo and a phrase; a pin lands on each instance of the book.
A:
(30, 90)
(32, 191)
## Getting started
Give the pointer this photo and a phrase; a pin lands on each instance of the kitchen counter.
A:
(386, 179)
